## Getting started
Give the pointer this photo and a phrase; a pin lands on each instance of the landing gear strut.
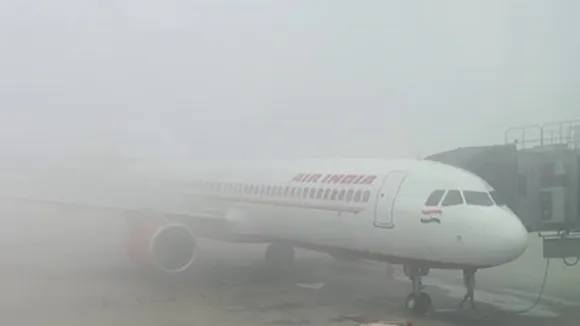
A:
(469, 282)
(390, 271)
(418, 302)
(280, 256)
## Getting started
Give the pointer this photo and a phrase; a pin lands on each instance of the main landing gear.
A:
(279, 256)
(418, 302)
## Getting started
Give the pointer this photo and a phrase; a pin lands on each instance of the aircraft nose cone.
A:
(515, 238)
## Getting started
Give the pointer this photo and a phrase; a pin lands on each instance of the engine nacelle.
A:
(162, 245)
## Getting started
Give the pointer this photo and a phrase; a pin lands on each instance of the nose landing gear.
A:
(418, 302)
(469, 282)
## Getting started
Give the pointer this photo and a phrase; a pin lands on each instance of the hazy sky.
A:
(282, 78)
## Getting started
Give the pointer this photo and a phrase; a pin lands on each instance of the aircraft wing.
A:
(70, 205)
(131, 197)
(136, 198)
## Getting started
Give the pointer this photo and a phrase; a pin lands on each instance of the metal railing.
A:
(560, 133)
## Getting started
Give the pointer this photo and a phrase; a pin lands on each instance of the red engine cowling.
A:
(166, 246)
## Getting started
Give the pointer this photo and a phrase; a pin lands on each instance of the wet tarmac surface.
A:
(58, 270)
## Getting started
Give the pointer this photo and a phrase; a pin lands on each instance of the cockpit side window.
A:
(452, 198)
(435, 197)
(497, 198)
(477, 198)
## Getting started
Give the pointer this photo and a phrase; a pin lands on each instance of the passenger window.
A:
(349, 195)
(452, 198)
(299, 192)
(292, 192)
(366, 196)
(305, 192)
(435, 197)
(319, 193)
(333, 194)
(312, 193)
(326, 194)
(478, 198)
(357, 196)
(341, 194)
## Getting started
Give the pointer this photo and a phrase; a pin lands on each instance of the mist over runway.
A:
(62, 269)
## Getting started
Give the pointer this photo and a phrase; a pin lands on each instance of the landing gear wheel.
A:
(419, 304)
(280, 256)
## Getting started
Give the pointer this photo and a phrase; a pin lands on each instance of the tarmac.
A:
(66, 267)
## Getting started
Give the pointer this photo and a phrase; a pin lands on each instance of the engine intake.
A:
(166, 246)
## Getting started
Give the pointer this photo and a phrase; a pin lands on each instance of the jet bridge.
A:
(537, 172)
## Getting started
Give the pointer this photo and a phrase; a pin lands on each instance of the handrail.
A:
(551, 133)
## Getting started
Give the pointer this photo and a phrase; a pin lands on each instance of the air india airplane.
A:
(416, 213)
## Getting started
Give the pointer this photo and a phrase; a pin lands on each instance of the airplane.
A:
(416, 213)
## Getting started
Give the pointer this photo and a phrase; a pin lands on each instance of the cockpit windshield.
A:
(477, 198)
(452, 198)
(442, 197)
(435, 198)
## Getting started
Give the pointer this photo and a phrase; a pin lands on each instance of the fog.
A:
(285, 79)
(97, 84)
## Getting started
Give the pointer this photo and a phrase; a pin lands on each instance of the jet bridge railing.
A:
(560, 133)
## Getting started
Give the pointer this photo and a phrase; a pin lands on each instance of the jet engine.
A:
(165, 246)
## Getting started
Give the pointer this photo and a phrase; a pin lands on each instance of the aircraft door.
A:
(385, 201)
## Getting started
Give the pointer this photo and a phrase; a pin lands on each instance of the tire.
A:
(420, 304)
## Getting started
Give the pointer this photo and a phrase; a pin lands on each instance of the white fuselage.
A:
(376, 208)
